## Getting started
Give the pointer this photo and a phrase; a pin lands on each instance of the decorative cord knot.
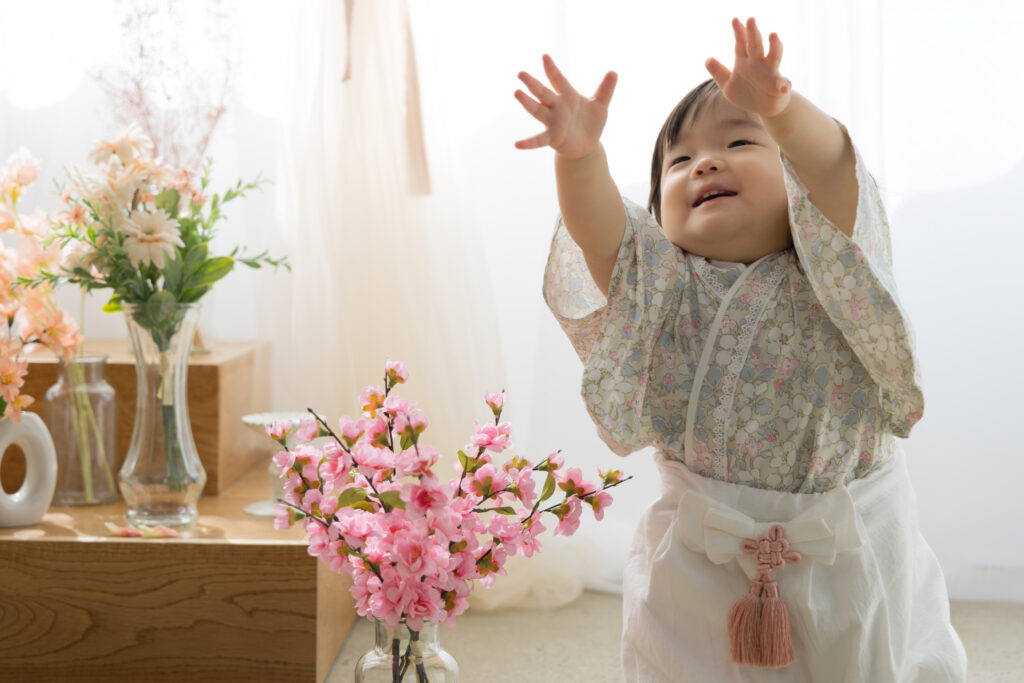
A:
(759, 630)
(771, 551)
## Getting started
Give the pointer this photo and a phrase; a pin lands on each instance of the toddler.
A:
(749, 330)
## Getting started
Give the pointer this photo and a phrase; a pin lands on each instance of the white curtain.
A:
(380, 268)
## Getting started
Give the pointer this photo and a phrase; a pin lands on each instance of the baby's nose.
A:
(706, 166)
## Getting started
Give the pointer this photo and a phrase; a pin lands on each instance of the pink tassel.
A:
(745, 626)
(776, 632)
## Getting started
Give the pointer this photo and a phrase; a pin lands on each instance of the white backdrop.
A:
(929, 90)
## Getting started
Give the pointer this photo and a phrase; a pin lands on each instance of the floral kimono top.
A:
(810, 373)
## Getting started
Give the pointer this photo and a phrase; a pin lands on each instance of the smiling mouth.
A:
(711, 196)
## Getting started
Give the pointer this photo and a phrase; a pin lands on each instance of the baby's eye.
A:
(679, 160)
(737, 143)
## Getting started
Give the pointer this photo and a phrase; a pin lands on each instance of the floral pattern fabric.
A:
(811, 373)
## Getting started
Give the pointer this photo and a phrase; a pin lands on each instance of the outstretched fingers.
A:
(606, 89)
(755, 46)
(558, 80)
(720, 72)
(534, 108)
(774, 57)
(740, 33)
(539, 140)
(539, 90)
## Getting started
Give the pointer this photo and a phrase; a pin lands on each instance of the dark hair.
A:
(685, 111)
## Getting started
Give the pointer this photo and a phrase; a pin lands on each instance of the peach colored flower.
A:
(130, 144)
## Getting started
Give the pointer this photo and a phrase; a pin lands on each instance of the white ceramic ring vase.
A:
(28, 504)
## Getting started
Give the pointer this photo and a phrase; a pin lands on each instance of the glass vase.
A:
(162, 477)
(401, 655)
(80, 411)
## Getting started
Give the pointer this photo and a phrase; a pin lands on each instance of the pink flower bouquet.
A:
(374, 508)
(31, 316)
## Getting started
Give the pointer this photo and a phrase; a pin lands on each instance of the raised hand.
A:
(754, 84)
(573, 122)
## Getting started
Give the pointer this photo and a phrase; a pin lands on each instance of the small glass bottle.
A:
(408, 656)
(80, 411)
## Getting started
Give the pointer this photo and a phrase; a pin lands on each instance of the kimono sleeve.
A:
(852, 278)
(614, 336)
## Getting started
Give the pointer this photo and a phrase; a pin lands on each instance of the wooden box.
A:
(231, 381)
(233, 600)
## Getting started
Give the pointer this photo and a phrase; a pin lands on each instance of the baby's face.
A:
(725, 150)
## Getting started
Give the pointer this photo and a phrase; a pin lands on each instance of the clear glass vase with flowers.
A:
(143, 230)
(33, 319)
(373, 507)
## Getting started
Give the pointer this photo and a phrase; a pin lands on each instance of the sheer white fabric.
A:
(377, 271)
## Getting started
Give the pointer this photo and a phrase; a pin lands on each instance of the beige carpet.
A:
(580, 642)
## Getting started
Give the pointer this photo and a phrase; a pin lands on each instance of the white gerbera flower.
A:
(151, 236)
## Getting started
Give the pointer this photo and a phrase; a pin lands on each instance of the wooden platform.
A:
(231, 381)
(233, 600)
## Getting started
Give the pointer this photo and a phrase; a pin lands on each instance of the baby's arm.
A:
(590, 203)
(812, 141)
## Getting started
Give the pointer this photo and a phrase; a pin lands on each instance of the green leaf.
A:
(168, 200)
(173, 273)
(365, 506)
(194, 259)
(212, 270)
(505, 510)
(406, 443)
(351, 496)
(3, 405)
(464, 460)
(392, 499)
(113, 305)
(549, 488)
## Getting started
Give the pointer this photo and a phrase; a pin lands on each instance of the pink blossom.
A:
(508, 530)
(319, 541)
(12, 376)
(279, 430)
(568, 517)
(526, 488)
(530, 544)
(370, 459)
(411, 424)
(484, 481)
(395, 404)
(555, 461)
(426, 605)
(599, 501)
(416, 462)
(351, 431)
(356, 526)
(573, 484)
(395, 371)
(495, 401)
(307, 431)
(427, 495)
(371, 399)
(377, 432)
(284, 459)
(364, 585)
(492, 437)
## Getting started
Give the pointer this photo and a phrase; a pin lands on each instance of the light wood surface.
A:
(231, 600)
(231, 381)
